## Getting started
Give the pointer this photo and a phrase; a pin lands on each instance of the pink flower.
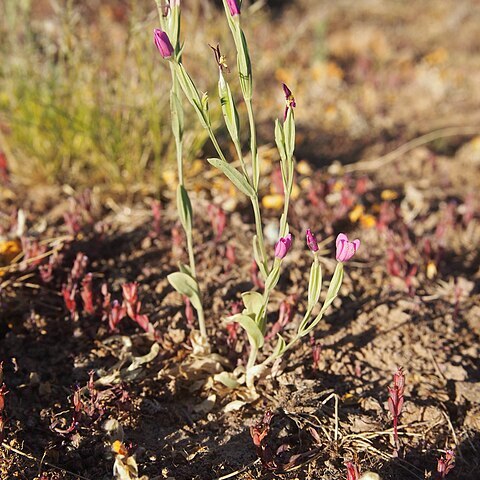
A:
(345, 249)
(311, 241)
(234, 8)
(163, 43)
(283, 246)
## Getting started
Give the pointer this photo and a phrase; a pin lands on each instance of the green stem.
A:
(181, 181)
(240, 157)
(253, 145)
(252, 359)
(178, 142)
(259, 230)
(215, 144)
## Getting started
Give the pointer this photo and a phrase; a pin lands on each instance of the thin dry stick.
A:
(236, 472)
(454, 435)
(374, 164)
(40, 461)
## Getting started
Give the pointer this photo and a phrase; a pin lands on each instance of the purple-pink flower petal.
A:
(163, 43)
(283, 246)
(346, 249)
(234, 8)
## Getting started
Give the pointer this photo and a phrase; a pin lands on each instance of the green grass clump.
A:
(84, 101)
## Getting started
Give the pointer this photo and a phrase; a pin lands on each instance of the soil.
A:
(410, 298)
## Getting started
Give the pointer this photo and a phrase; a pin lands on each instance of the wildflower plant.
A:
(246, 179)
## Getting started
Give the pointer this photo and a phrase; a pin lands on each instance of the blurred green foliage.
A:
(85, 101)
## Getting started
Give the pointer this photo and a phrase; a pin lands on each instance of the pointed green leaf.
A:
(186, 285)
(280, 140)
(314, 284)
(184, 208)
(191, 92)
(228, 379)
(253, 302)
(289, 132)
(233, 175)
(279, 347)
(176, 110)
(256, 256)
(254, 333)
(273, 277)
(185, 269)
(229, 109)
(335, 284)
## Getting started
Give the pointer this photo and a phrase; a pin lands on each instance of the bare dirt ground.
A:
(411, 297)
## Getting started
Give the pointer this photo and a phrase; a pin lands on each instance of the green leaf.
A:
(332, 293)
(186, 285)
(228, 379)
(185, 269)
(273, 277)
(234, 176)
(254, 333)
(253, 302)
(280, 140)
(314, 284)
(256, 256)
(243, 63)
(289, 132)
(335, 284)
(191, 92)
(229, 109)
(279, 347)
(184, 208)
(176, 110)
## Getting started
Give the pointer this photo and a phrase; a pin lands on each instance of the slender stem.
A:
(259, 230)
(395, 432)
(252, 358)
(240, 157)
(178, 141)
(253, 145)
(215, 144)
(181, 181)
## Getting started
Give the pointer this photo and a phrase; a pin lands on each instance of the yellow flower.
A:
(356, 213)
(273, 202)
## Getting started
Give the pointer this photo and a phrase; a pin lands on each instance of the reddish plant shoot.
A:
(132, 306)
(68, 293)
(316, 354)
(4, 173)
(79, 267)
(189, 312)
(156, 229)
(285, 314)
(259, 434)
(445, 464)
(395, 402)
(218, 220)
(115, 315)
(87, 294)
(353, 472)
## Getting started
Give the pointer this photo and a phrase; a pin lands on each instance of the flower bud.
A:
(234, 8)
(289, 99)
(163, 43)
(283, 246)
(311, 241)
